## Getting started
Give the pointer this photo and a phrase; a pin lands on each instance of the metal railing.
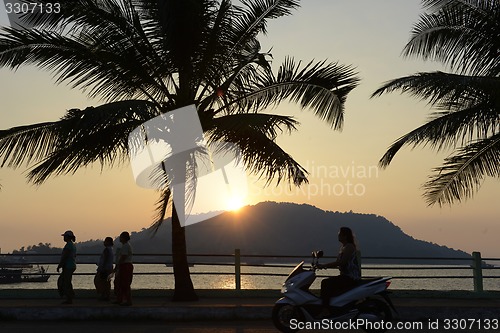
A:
(237, 260)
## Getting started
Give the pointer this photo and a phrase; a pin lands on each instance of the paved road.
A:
(259, 326)
(253, 326)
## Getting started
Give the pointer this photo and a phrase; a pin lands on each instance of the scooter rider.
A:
(347, 263)
(367, 300)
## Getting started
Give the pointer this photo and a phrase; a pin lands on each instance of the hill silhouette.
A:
(271, 228)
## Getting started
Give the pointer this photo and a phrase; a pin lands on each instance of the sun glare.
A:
(234, 204)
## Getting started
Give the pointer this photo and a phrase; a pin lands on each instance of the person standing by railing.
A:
(68, 265)
(104, 269)
(116, 272)
(124, 270)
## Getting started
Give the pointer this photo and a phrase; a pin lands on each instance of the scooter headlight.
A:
(287, 285)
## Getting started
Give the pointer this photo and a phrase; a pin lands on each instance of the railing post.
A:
(237, 269)
(477, 271)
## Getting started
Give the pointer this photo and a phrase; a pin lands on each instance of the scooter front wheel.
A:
(286, 317)
(378, 309)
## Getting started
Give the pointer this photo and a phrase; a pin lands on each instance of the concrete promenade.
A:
(227, 305)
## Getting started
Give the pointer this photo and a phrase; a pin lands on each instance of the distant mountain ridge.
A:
(271, 228)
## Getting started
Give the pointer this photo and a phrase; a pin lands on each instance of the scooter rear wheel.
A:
(283, 316)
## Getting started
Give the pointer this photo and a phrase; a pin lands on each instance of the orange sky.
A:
(367, 34)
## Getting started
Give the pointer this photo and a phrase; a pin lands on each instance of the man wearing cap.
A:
(68, 265)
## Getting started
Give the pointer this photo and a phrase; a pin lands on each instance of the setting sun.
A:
(234, 204)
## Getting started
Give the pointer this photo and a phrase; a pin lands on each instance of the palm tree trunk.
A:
(183, 289)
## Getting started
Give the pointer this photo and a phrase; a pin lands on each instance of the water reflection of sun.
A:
(225, 282)
(228, 282)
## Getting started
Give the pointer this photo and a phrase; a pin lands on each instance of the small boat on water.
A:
(35, 278)
(10, 275)
(19, 275)
(14, 262)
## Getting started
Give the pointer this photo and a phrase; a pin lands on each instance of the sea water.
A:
(159, 276)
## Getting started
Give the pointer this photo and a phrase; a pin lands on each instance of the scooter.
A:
(367, 306)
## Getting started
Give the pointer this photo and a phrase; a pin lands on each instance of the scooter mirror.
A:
(317, 254)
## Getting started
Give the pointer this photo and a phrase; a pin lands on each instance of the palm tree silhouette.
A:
(145, 58)
(466, 36)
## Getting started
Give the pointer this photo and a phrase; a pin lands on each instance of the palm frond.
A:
(446, 130)
(24, 144)
(166, 177)
(462, 174)
(468, 109)
(319, 86)
(162, 205)
(104, 53)
(254, 135)
(178, 30)
(229, 83)
(463, 34)
(444, 90)
(70, 11)
(211, 63)
(80, 138)
(251, 19)
(269, 124)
